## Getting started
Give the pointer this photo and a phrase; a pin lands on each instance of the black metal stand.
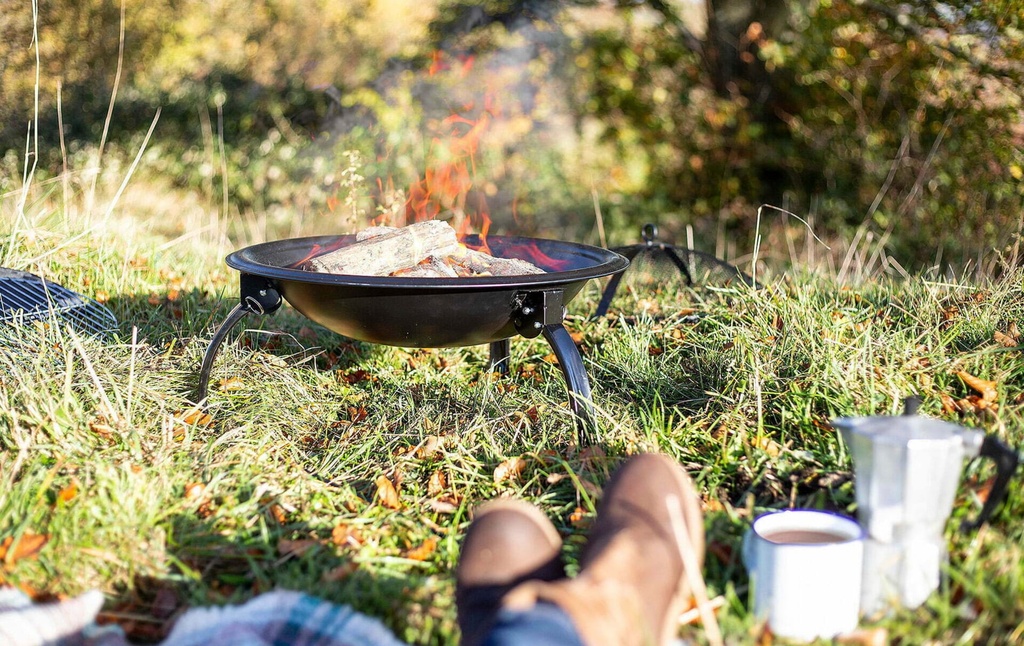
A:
(681, 259)
(542, 313)
(256, 296)
(536, 313)
(571, 363)
(500, 353)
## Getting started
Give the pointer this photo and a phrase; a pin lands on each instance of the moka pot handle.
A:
(1006, 459)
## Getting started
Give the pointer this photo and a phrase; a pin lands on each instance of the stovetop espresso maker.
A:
(907, 469)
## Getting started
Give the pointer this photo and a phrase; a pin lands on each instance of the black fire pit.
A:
(429, 312)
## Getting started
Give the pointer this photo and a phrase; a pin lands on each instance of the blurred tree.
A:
(80, 49)
(864, 112)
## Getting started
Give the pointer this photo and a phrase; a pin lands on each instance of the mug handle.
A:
(1006, 460)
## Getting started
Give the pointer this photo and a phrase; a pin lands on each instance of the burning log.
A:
(383, 253)
(478, 263)
(427, 249)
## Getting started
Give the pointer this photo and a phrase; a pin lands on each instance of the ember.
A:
(429, 249)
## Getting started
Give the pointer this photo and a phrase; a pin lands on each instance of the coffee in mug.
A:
(805, 569)
(803, 537)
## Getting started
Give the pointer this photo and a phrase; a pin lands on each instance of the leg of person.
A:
(508, 543)
(542, 624)
(632, 583)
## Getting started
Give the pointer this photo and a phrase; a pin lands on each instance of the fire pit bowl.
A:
(428, 312)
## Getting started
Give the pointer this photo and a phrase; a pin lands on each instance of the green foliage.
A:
(843, 112)
(900, 121)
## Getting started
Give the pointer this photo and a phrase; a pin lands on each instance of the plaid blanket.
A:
(279, 618)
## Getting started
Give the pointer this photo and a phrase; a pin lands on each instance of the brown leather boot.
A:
(632, 584)
(508, 543)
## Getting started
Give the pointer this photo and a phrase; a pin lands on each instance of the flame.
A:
(445, 189)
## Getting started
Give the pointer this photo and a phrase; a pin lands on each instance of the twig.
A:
(598, 217)
(135, 163)
(31, 136)
(691, 569)
(110, 107)
(64, 175)
(919, 181)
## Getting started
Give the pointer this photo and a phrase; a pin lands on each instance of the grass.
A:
(133, 491)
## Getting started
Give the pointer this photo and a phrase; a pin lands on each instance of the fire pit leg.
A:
(257, 296)
(237, 314)
(571, 363)
(500, 353)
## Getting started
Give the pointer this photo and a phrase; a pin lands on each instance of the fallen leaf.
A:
(949, 405)
(278, 513)
(194, 490)
(437, 483)
(430, 447)
(593, 489)
(447, 504)
(344, 535)
(355, 377)
(308, 333)
(68, 493)
(387, 495)
(423, 551)
(298, 547)
(578, 518)
(769, 446)
(28, 546)
(983, 489)
(712, 504)
(985, 388)
(593, 457)
(356, 415)
(948, 316)
(340, 573)
(101, 428)
(721, 551)
(510, 469)
(1011, 339)
(231, 384)
(195, 417)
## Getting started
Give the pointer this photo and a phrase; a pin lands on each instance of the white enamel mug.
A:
(805, 568)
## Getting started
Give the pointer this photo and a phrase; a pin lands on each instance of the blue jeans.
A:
(545, 624)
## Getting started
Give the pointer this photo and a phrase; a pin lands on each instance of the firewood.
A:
(479, 263)
(432, 267)
(373, 232)
(381, 255)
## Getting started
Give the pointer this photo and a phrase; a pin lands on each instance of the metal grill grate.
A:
(26, 297)
(654, 264)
